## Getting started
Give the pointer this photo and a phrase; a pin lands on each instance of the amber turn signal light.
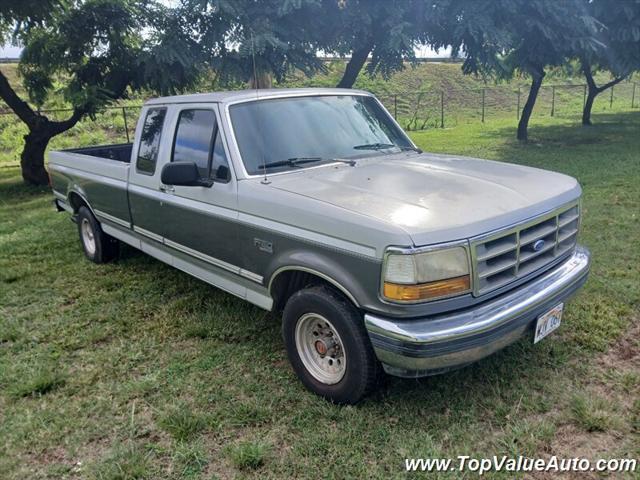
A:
(425, 291)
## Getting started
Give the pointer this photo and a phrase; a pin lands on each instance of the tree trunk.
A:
(355, 64)
(594, 91)
(32, 157)
(35, 144)
(41, 130)
(263, 80)
(588, 104)
(523, 124)
(591, 95)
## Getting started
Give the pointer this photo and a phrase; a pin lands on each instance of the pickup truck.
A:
(316, 204)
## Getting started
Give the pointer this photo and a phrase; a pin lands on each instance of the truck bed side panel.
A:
(101, 182)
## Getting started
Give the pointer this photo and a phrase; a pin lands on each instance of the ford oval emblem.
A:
(538, 245)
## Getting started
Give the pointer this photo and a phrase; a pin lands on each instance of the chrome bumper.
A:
(427, 346)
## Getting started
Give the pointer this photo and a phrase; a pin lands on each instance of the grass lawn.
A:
(136, 370)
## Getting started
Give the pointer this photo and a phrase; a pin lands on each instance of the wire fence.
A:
(448, 108)
(413, 110)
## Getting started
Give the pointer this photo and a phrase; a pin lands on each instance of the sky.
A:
(9, 52)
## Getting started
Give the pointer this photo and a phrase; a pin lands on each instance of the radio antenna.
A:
(265, 180)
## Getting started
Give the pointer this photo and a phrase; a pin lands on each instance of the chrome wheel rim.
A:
(320, 348)
(88, 239)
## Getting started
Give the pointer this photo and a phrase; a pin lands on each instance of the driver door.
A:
(202, 221)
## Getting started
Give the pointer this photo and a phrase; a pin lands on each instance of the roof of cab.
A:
(243, 95)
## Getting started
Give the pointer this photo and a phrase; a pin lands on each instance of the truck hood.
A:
(435, 198)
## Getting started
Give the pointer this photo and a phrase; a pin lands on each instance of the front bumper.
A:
(427, 346)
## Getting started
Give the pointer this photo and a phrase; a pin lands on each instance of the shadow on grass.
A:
(554, 142)
(12, 186)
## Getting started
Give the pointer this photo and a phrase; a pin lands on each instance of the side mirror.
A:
(183, 174)
(223, 173)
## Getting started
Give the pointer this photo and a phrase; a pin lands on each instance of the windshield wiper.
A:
(407, 148)
(290, 162)
(374, 146)
(383, 146)
(297, 161)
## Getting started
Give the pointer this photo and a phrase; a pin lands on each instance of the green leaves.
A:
(278, 35)
(500, 37)
(618, 25)
(101, 48)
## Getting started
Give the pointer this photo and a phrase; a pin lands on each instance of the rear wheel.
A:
(328, 345)
(97, 245)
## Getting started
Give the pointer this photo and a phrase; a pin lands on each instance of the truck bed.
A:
(120, 152)
(99, 174)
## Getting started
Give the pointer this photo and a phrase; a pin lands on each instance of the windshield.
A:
(286, 133)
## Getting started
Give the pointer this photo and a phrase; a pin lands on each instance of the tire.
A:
(328, 346)
(97, 245)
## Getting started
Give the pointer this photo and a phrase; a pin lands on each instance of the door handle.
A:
(167, 188)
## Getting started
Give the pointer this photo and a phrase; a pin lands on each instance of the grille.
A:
(508, 255)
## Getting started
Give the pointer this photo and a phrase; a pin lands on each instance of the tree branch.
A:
(610, 84)
(81, 111)
(588, 75)
(15, 103)
(64, 125)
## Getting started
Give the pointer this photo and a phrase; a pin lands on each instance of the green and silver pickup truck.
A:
(315, 203)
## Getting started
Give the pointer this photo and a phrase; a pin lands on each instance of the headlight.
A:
(414, 277)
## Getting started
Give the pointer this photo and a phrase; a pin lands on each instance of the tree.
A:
(502, 37)
(619, 31)
(282, 36)
(272, 37)
(386, 30)
(286, 35)
(99, 51)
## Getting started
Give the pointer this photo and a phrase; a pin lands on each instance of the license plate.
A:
(548, 322)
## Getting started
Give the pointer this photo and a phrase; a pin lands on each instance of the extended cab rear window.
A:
(150, 140)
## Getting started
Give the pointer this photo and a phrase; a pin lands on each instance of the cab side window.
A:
(198, 140)
(150, 141)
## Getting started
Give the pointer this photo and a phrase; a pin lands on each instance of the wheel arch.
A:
(77, 200)
(288, 279)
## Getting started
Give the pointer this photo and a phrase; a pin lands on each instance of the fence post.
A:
(126, 127)
(553, 100)
(584, 95)
(395, 107)
(633, 95)
(611, 99)
(442, 109)
(483, 105)
(518, 107)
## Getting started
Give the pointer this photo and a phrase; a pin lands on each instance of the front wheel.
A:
(328, 345)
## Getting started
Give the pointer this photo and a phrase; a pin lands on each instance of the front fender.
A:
(355, 276)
